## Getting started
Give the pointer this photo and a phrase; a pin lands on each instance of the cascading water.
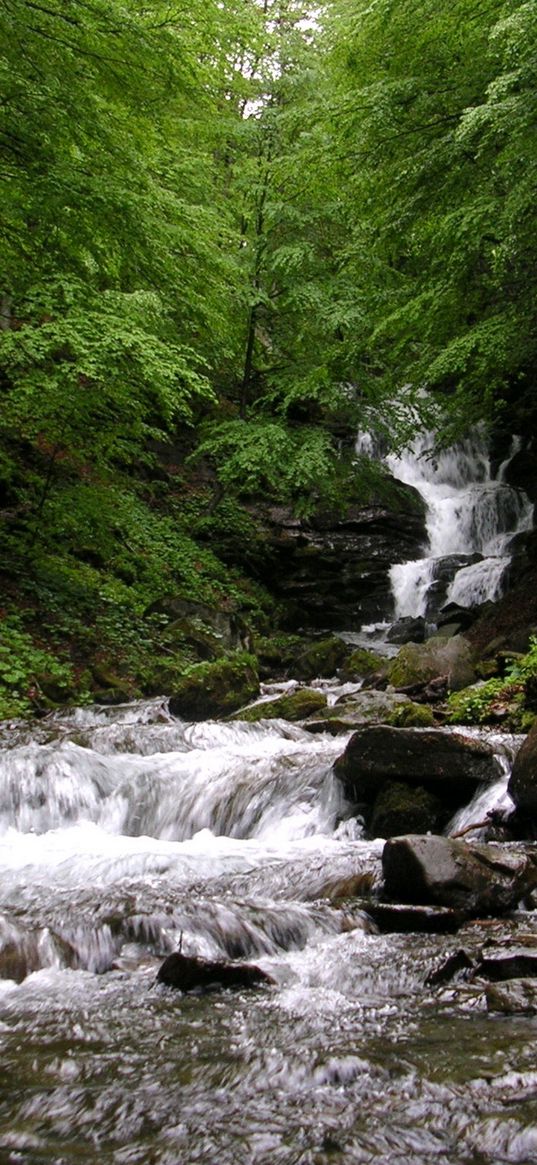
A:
(472, 516)
(125, 834)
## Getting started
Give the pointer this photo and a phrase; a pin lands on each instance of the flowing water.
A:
(126, 834)
(472, 517)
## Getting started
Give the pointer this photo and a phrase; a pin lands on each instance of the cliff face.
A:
(334, 571)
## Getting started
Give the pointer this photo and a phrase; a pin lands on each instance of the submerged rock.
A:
(475, 879)
(190, 973)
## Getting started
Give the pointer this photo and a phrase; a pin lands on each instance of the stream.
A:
(126, 834)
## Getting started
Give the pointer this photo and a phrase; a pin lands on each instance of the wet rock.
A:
(523, 780)
(400, 808)
(228, 629)
(475, 879)
(190, 973)
(515, 963)
(452, 615)
(333, 571)
(517, 997)
(449, 764)
(456, 963)
(361, 663)
(292, 706)
(419, 663)
(399, 918)
(407, 630)
(411, 715)
(216, 689)
(323, 658)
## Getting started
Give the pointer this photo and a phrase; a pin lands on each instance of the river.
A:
(126, 834)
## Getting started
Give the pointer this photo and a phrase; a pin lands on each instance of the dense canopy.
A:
(232, 234)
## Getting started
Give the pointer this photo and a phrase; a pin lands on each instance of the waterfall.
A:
(472, 516)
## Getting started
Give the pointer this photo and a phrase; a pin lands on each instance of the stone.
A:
(411, 715)
(291, 706)
(419, 663)
(407, 630)
(516, 997)
(320, 659)
(399, 808)
(523, 780)
(361, 663)
(400, 918)
(190, 973)
(475, 879)
(210, 690)
(448, 764)
(457, 963)
(333, 570)
(514, 963)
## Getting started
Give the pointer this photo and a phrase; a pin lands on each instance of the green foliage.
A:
(510, 699)
(268, 457)
(24, 667)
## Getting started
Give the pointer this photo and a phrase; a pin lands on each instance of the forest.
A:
(233, 235)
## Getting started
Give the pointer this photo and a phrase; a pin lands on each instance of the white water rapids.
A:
(126, 834)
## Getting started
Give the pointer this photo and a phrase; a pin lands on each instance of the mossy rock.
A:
(400, 809)
(419, 663)
(412, 716)
(293, 706)
(363, 663)
(212, 690)
(322, 658)
(204, 641)
(276, 654)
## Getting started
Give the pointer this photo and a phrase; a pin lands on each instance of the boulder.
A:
(523, 780)
(360, 709)
(475, 879)
(516, 997)
(419, 663)
(400, 808)
(410, 715)
(514, 963)
(291, 706)
(407, 630)
(320, 659)
(210, 690)
(361, 663)
(399, 918)
(190, 973)
(447, 763)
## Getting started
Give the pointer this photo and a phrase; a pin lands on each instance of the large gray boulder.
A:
(523, 781)
(475, 879)
(449, 764)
